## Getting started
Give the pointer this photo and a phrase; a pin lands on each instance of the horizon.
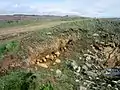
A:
(53, 15)
(84, 8)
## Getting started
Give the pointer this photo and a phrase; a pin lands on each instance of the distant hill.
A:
(28, 17)
(24, 17)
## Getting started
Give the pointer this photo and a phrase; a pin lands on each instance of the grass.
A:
(4, 24)
(47, 86)
(13, 81)
(22, 80)
(13, 23)
(9, 47)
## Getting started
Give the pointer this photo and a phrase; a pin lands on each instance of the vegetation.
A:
(11, 23)
(48, 86)
(21, 80)
(10, 47)
(40, 20)
(84, 29)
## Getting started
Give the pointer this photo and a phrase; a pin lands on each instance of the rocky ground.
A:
(99, 69)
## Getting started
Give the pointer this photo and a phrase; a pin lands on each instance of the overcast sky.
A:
(92, 8)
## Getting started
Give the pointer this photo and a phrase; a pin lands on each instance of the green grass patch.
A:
(47, 86)
(9, 47)
(4, 24)
(22, 80)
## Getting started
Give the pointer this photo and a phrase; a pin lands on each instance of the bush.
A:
(11, 46)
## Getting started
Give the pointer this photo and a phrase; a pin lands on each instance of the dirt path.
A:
(15, 30)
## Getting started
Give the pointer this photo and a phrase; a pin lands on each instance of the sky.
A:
(89, 8)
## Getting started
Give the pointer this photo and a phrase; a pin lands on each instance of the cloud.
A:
(92, 8)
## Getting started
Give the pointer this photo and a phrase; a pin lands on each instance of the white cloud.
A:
(93, 8)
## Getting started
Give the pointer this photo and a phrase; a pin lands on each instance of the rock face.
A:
(48, 54)
(110, 52)
(113, 57)
(46, 60)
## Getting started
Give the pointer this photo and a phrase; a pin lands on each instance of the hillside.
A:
(82, 54)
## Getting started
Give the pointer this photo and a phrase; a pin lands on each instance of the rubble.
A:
(42, 65)
(94, 72)
(95, 35)
(58, 73)
(58, 61)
